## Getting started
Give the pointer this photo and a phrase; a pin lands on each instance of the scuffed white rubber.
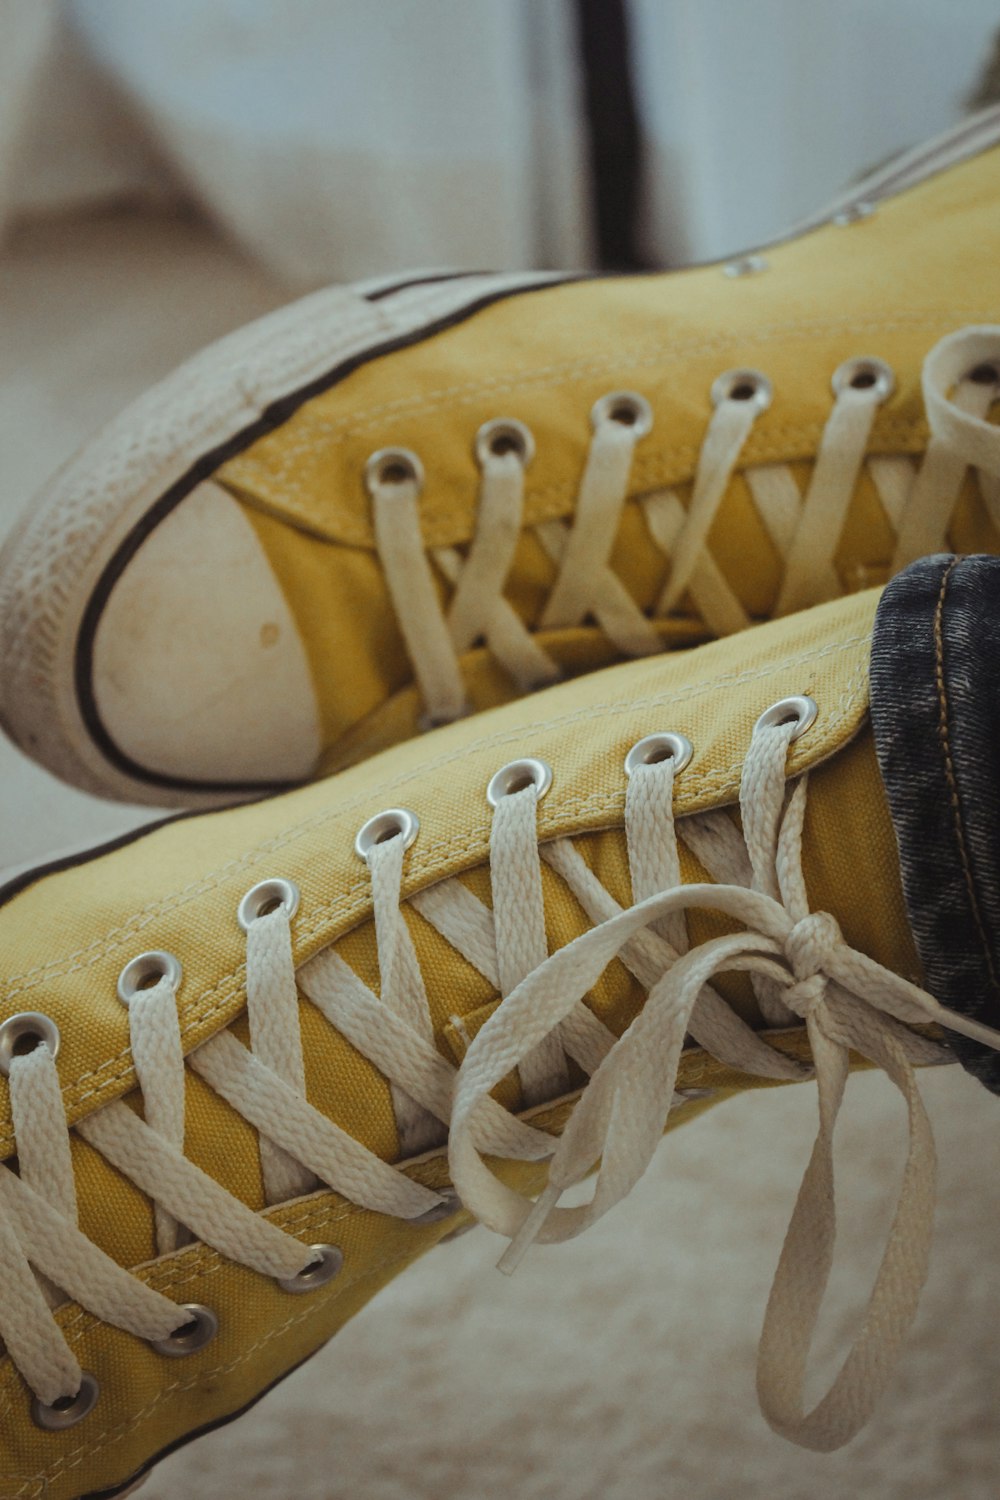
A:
(175, 670)
(53, 559)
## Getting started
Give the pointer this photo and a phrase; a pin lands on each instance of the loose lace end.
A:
(976, 1031)
(528, 1232)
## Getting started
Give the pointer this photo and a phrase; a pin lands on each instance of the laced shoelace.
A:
(960, 380)
(800, 965)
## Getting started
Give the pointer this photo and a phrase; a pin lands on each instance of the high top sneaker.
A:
(259, 1060)
(392, 504)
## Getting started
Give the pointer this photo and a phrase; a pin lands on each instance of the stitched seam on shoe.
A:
(466, 842)
(205, 1261)
(949, 770)
(115, 937)
(77, 1455)
(208, 1261)
(666, 473)
(671, 467)
(313, 428)
(114, 1071)
(676, 351)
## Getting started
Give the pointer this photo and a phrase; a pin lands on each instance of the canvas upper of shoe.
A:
(322, 1075)
(325, 534)
(677, 456)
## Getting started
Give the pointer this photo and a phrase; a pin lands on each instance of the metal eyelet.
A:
(199, 1330)
(68, 1410)
(24, 1032)
(868, 377)
(745, 265)
(627, 408)
(266, 896)
(146, 970)
(786, 710)
(655, 748)
(517, 775)
(450, 1204)
(853, 212)
(394, 822)
(393, 466)
(985, 373)
(505, 435)
(749, 387)
(326, 1262)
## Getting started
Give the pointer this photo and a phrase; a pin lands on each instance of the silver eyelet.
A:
(16, 1035)
(853, 213)
(70, 1409)
(505, 435)
(872, 378)
(517, 775)
(748, 387)
(745, 265)
(147, 969)
(199, 1330)
(266, 896)
(627, 408)
(450, 1204)
(799, 708)
(392, 466)
(394, 822)
(327, 1261)
(659, 747)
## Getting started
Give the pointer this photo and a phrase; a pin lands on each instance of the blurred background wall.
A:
(338, 138)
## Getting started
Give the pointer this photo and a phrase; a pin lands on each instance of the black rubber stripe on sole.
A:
(274, 415)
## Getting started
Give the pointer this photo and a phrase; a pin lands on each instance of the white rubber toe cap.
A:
(199, 672)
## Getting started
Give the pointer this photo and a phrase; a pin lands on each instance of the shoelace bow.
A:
(960, 382)
(800, 965)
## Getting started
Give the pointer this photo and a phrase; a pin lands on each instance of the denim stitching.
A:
(945, 738)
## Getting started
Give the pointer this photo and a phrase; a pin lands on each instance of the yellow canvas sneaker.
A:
(257, 1061)
(391, 504)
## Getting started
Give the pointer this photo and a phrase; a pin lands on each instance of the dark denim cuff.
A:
(935, 707)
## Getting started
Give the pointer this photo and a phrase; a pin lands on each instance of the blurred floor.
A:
(620, 1365)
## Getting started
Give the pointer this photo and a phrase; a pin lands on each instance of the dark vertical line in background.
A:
(614, 134)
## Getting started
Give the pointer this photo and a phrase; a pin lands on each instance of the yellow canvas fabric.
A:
(926, 263)
(66, 937)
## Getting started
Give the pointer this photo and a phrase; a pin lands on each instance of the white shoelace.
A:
(799, 964)
(918, 501)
